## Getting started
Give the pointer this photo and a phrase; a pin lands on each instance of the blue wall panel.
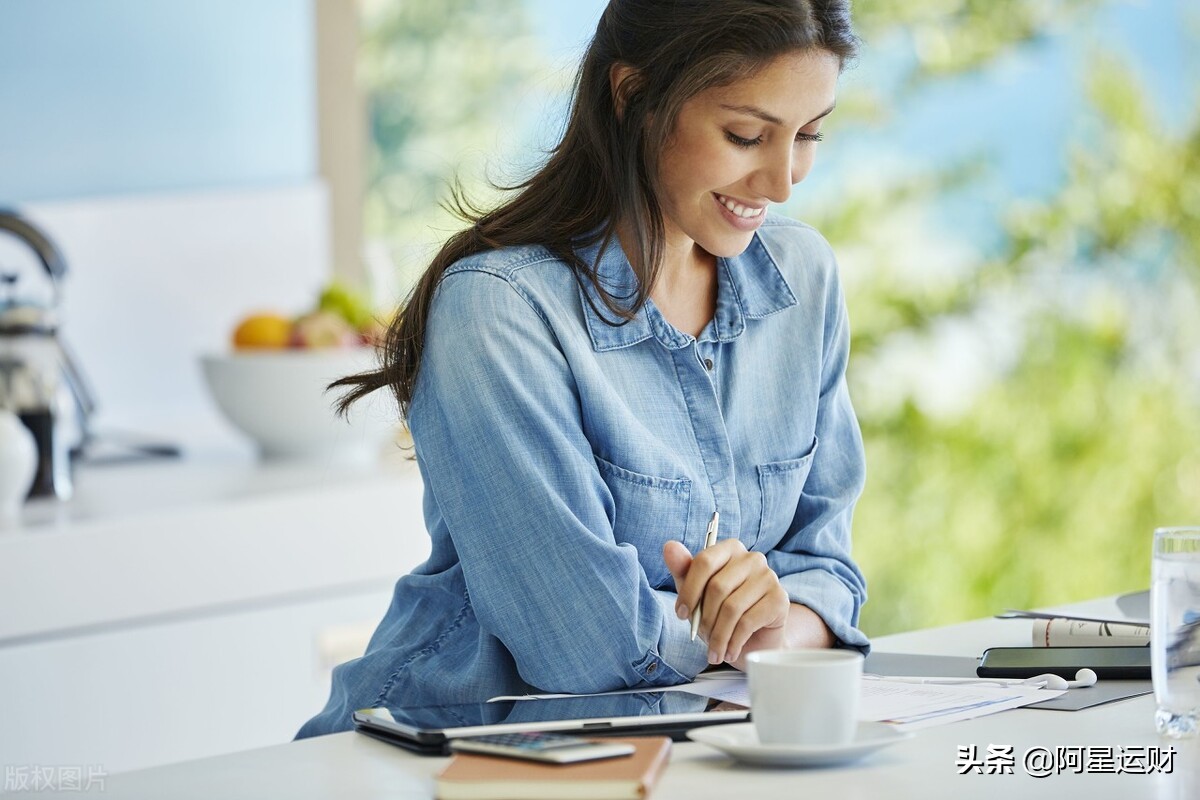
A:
(113, 96)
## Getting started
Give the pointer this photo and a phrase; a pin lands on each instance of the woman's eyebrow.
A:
(755, 111)
(824, 113)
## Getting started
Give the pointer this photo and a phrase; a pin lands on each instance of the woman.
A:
(628, 345)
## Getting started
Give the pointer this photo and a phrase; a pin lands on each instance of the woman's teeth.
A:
(745, 212)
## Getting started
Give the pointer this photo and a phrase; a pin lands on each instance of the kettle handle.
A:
(46, 252)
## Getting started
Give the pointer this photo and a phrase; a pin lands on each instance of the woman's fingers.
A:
(770, 610)
(739, 591)
(747, 597)
(720, 588)
(741, 597)
(691, 585)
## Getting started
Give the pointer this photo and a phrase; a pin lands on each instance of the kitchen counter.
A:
(160, 537)
(217, 588)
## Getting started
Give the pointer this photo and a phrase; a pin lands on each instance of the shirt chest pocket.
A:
(648, 512)
(781, 484)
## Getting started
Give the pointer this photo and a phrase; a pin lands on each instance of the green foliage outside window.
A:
(1085, 432)
(441, 78)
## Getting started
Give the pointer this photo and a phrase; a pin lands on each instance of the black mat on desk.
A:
(1106, 691)
(912, 665)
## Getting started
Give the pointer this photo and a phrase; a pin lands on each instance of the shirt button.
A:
(651, 668)
(708, 365)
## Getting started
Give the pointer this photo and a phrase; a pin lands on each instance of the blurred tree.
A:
(441, 78)
(953, 36)
(1068, 427)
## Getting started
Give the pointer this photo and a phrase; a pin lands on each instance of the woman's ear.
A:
(619, 81)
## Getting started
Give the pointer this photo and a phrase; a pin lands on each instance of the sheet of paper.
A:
(907, 705)
(902, 702)
(508, 697)
(911, 706)
(729, 690)
(704, 685)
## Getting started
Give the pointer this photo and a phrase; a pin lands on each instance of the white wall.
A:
(103, 97)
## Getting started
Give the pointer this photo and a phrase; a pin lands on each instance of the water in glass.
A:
(1175, 626)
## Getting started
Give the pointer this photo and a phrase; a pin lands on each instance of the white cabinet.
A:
(196, 623)
(144, 695)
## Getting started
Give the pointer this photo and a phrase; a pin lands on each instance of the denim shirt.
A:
(559, 454)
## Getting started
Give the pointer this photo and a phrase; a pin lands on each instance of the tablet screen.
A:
(666, 713)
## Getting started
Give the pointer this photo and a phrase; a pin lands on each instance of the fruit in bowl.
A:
(324, 329)
(341, 318)
(272, 387)
(268, 331)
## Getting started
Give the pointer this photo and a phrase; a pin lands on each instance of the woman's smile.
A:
(740, 215)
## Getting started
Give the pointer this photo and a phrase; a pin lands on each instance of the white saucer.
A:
(740, 741)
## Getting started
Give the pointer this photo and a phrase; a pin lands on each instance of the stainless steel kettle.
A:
(39, 380)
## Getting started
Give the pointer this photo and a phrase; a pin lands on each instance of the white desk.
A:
(352, 766)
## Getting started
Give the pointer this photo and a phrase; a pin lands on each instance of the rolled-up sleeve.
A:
(813, 560)
(498, 427)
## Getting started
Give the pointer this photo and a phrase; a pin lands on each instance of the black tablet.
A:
(429, 729)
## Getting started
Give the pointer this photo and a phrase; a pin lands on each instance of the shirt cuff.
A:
(833, 602)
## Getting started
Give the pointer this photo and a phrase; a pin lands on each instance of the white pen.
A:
(710, 539)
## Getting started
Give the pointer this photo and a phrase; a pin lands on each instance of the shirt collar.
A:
(749, 286)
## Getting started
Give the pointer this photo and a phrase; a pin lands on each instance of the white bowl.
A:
(278, 399)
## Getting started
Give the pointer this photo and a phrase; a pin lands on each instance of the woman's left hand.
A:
(742, 597)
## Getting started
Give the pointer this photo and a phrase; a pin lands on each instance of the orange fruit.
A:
(263, 331)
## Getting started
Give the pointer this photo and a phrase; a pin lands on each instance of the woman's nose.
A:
(779, 173)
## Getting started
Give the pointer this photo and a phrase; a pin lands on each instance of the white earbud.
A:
(1083, 678)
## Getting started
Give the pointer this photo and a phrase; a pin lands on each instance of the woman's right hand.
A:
(741, 595)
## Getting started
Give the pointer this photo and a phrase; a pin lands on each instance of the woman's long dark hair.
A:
(604, 171)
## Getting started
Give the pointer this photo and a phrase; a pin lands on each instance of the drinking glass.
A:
(1175, 631)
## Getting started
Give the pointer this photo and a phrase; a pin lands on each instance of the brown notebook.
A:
(469, 776)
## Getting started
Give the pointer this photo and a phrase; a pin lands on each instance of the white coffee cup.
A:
(805, 697)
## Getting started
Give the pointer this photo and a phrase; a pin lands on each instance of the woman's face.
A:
(737, 148)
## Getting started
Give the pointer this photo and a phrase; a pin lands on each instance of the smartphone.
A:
(1122, 663)
(554, 748)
